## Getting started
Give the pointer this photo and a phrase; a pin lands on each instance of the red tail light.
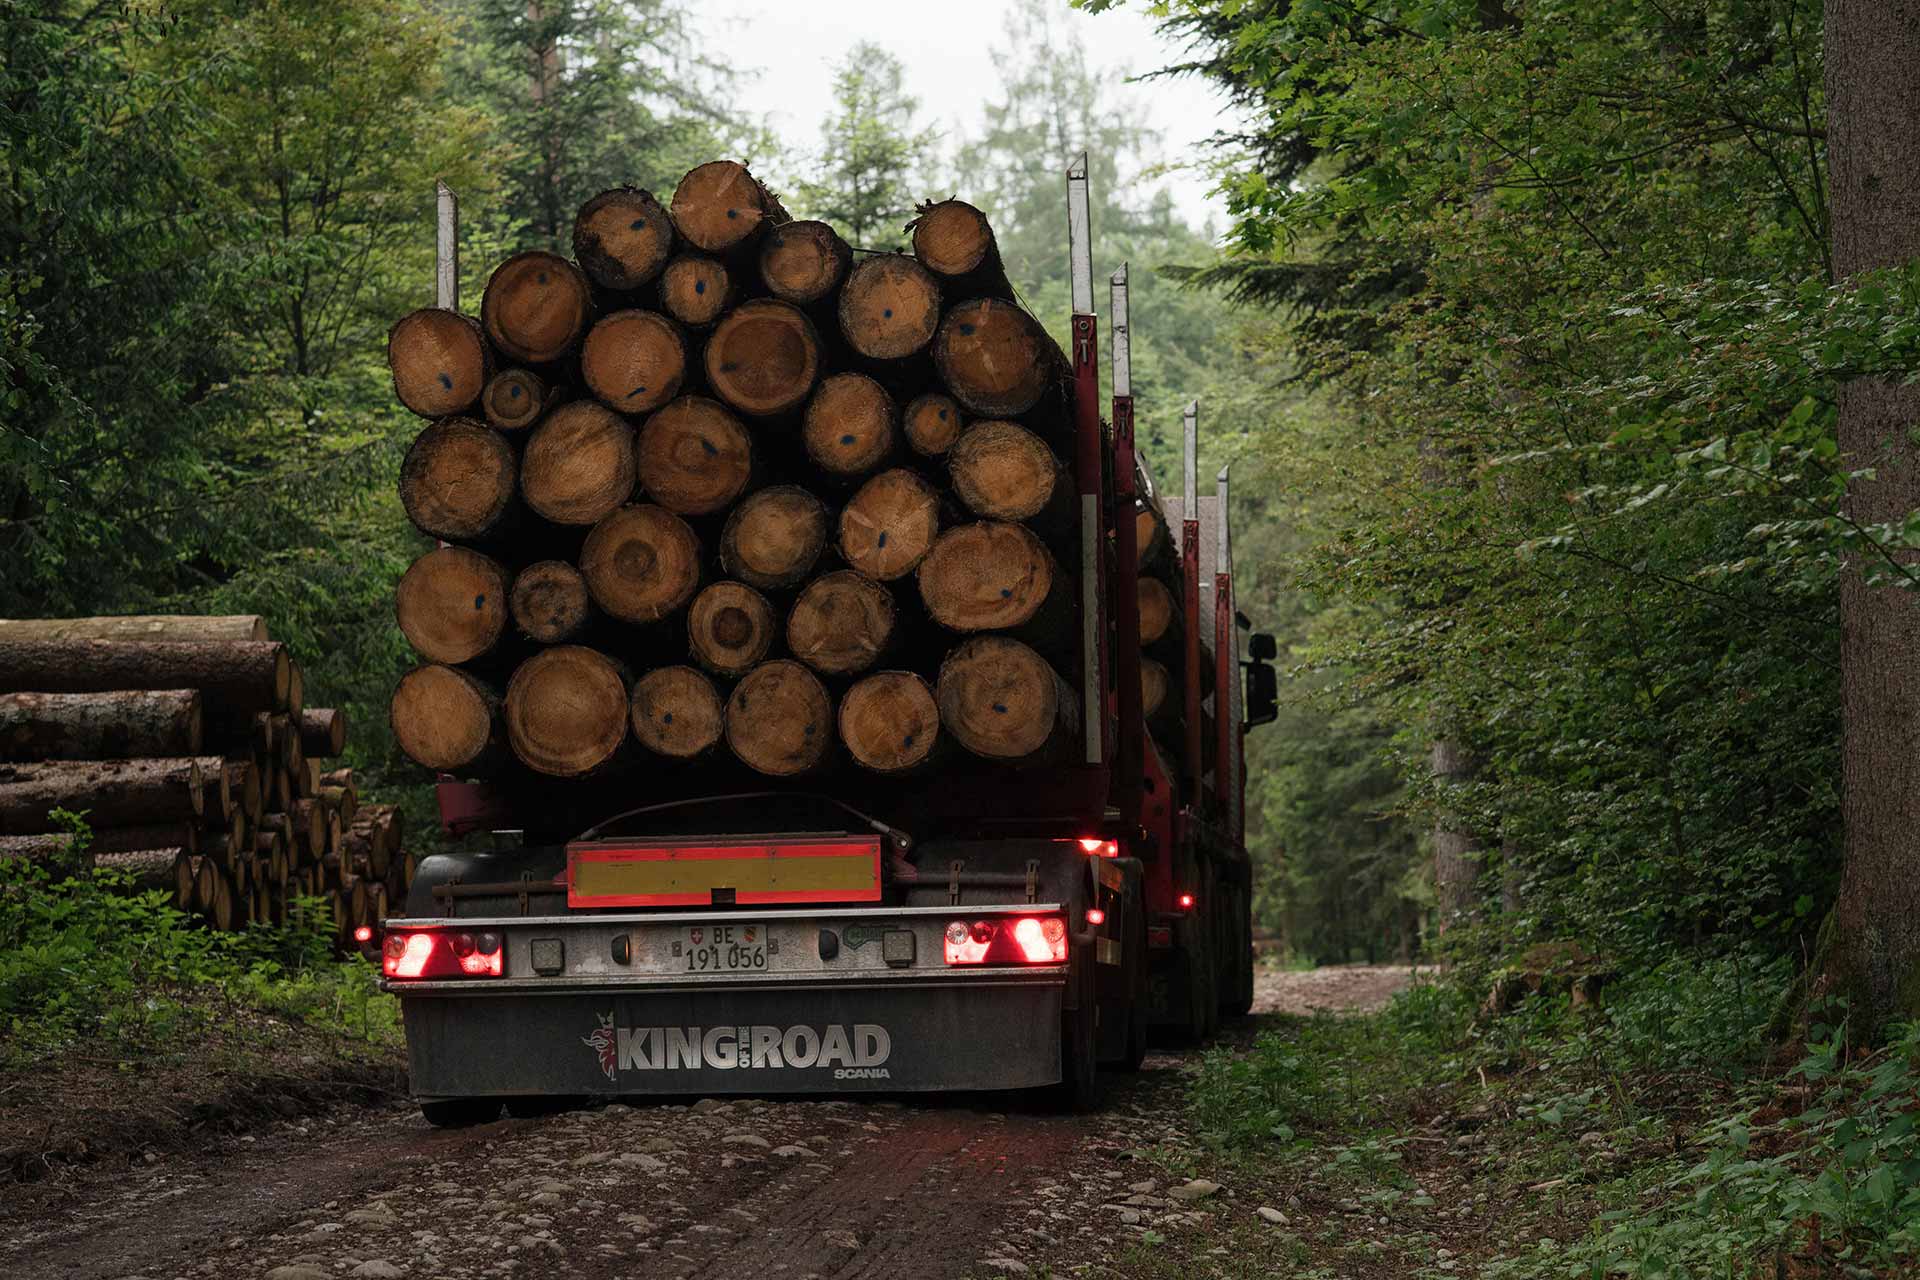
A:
(1096, 916)
(413, 957)
(363, 934)
(1014, 940)
(1099, 848)
(1186, 902)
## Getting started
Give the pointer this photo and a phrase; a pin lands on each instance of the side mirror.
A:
(1263, 691)
(1262, 647)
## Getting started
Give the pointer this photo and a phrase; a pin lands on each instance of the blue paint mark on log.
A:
(514, 391)
(636, 224)
(883, 537)
(966, 330)
(542, 277)
(1000, 707)
(1006, 593)
(636, 391)
(886, 313)
(479, 600)
(667, 718)
(733, 213)
(711, 451)
(699, 286)
(846, 439)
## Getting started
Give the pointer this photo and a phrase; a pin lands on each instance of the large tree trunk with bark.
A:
(235, 678)
(451, 605)
(1456, 847)
(109, 792)
(245, 626)
(115, 725)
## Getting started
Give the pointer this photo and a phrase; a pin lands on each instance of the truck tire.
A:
(1196, 953)
(1137, 1015)
(538, 1105)
(460, 1113)
(1241, 1002)
(1079, 1088)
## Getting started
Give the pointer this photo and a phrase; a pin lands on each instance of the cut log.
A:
(841, 624)
(1003, 471)
(772, 539)
(622, 238)
(994, 576)
(889, 307)
(536, 307)
(514, 400)
(803, 262)
(235, 677)
(146, 868)
(763, 358)
(676, 712)
(452, 607)
(117, 724)
(1157, 610)
(309, 822)
(634, 361)
(1155, 541)
(225, 847)
(184, 896)
(953, 240)
(439, 360)
(445, 720)
(107, 792)
(55, 852)
(206, 881)
(641, 563)
(216, 804)
(260, 735)
(184, 833)
(456, 482)
(1001, 700)
(341, 778)
(994, 358)
(294, 762)
(696, 290)
(694, 457)
(849, 425)
(887, 528)
(890, 722)
(1154, 684)
(550, 602)
(144, 626)
(932, 423)
(579, 464)
(719, 205)
(312, 782)
(296, 690)
(344, 802)
(243, 785)
(323, 732)
(228, 911)
(729, 628)
(780, 719)
(566, 711)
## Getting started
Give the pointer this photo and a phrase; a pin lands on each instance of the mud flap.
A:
(906, 1039)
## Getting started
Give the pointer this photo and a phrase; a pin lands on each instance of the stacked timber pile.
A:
(186, 744)
(721, 489)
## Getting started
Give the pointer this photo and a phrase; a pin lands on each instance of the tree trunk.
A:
(622, 238)
(772, 539)
(719, 206)
(457, 481)
(345, 803)
(697, 290)
(995, 576)
(452, 607)
(1159, 616)
(235, 678)
(579, 464)
(53, 851)
(694, 457)
(889, 307)
(889, 526)
(514, 400)
(1456, 848)
(109, 792)
(536, 307)
(566, 711)
(243, 786)
(446, 721)
(439, 360)
(955, 241)
(803, 262)
(99, 726)
(1873, 112)
(1002, 471)
(550, 602)
(890, 722)
(764, 358)
(641, 564)
(245, 626)
(634, 361)
(848, 428)
(841, 624)
(780, 719)
(323, 733)
(995, 359)
(150, 868)
(308, 819)
(1001, 700)
(932, 423)
(730, 626)
(676, 712)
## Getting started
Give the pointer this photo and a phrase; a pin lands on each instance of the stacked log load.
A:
(186, 744)
(722, 493)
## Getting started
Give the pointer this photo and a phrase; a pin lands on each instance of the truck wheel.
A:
(1137, 1016)
(1079, 1087)
(460, 1113)
(1197, 957)
(1242, 1002)
(532, 1108)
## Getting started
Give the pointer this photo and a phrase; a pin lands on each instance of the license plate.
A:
(723, 948)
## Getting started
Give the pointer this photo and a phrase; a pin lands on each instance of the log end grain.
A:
(848, 428)
(952, 238)
(1154, 683)
(443, 719)
(888, 527)
(514, 400)
(536, 306)
(1000, 699)
(566, 711)
(774, 537)
(890, 722)
(719, 205)
(841, 623)
(452, 604)
(932, 423)
(695, 457)
(994, 358)
(677, 712)
(987, 576)
(780, 719)
(1156, 609)
(803, 262)
(889, 307)
(1003, 471)
(763, 358)
(456, 482)
(622, 238)
(641, 563)
(696, 290)
(439, 361)
(634, 361)
(579, 464)
(730, 626)
(549, 601)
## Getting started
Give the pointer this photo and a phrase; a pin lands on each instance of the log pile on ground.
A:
(186, 744)
(723, 489)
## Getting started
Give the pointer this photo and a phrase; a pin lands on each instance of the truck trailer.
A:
(665, 931)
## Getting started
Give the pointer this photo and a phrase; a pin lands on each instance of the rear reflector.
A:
(1014, 940)
(1096, 916)
(440, 953)
(678, 873)
(363, 934)
(1186, 902)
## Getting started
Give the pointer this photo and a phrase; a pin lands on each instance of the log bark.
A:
(994, 358)
(889, 307)
(1002, 471)
(445, 720)
(243, 785)
(550, 602)
(296, 690)
(803, 262)
(955, 241)
(695, 457)
(54, 851)
(514, 400)
(323, 732)
(185, 833)
(244, 626)
(217, 805)
(841, 623)
(108, 792)
(456, 482)
(772, 539)
(235, 678)
(536, 307)
(676, 712)
(697, 290)
(149, 868)
(260, 735)
(308, 822)
(932, 424)
(995, 576)
(1001, 700)
(719, 206)
(579, 464)
(890, 722)
(889, 525)
(118, 724)
(622, 238)
(763, 358)
(439, 360)
(566, 711)
(730, 626)
(641, 563)
(780, 719)
(634, 361)
(452, 607)
(849, 425)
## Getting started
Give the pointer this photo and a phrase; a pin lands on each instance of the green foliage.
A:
(872, 159)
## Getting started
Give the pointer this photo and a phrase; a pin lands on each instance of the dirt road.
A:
(924, 1188)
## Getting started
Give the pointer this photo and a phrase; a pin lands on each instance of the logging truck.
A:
(829, 699)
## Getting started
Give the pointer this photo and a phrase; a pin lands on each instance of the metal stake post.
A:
(1089, 468)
